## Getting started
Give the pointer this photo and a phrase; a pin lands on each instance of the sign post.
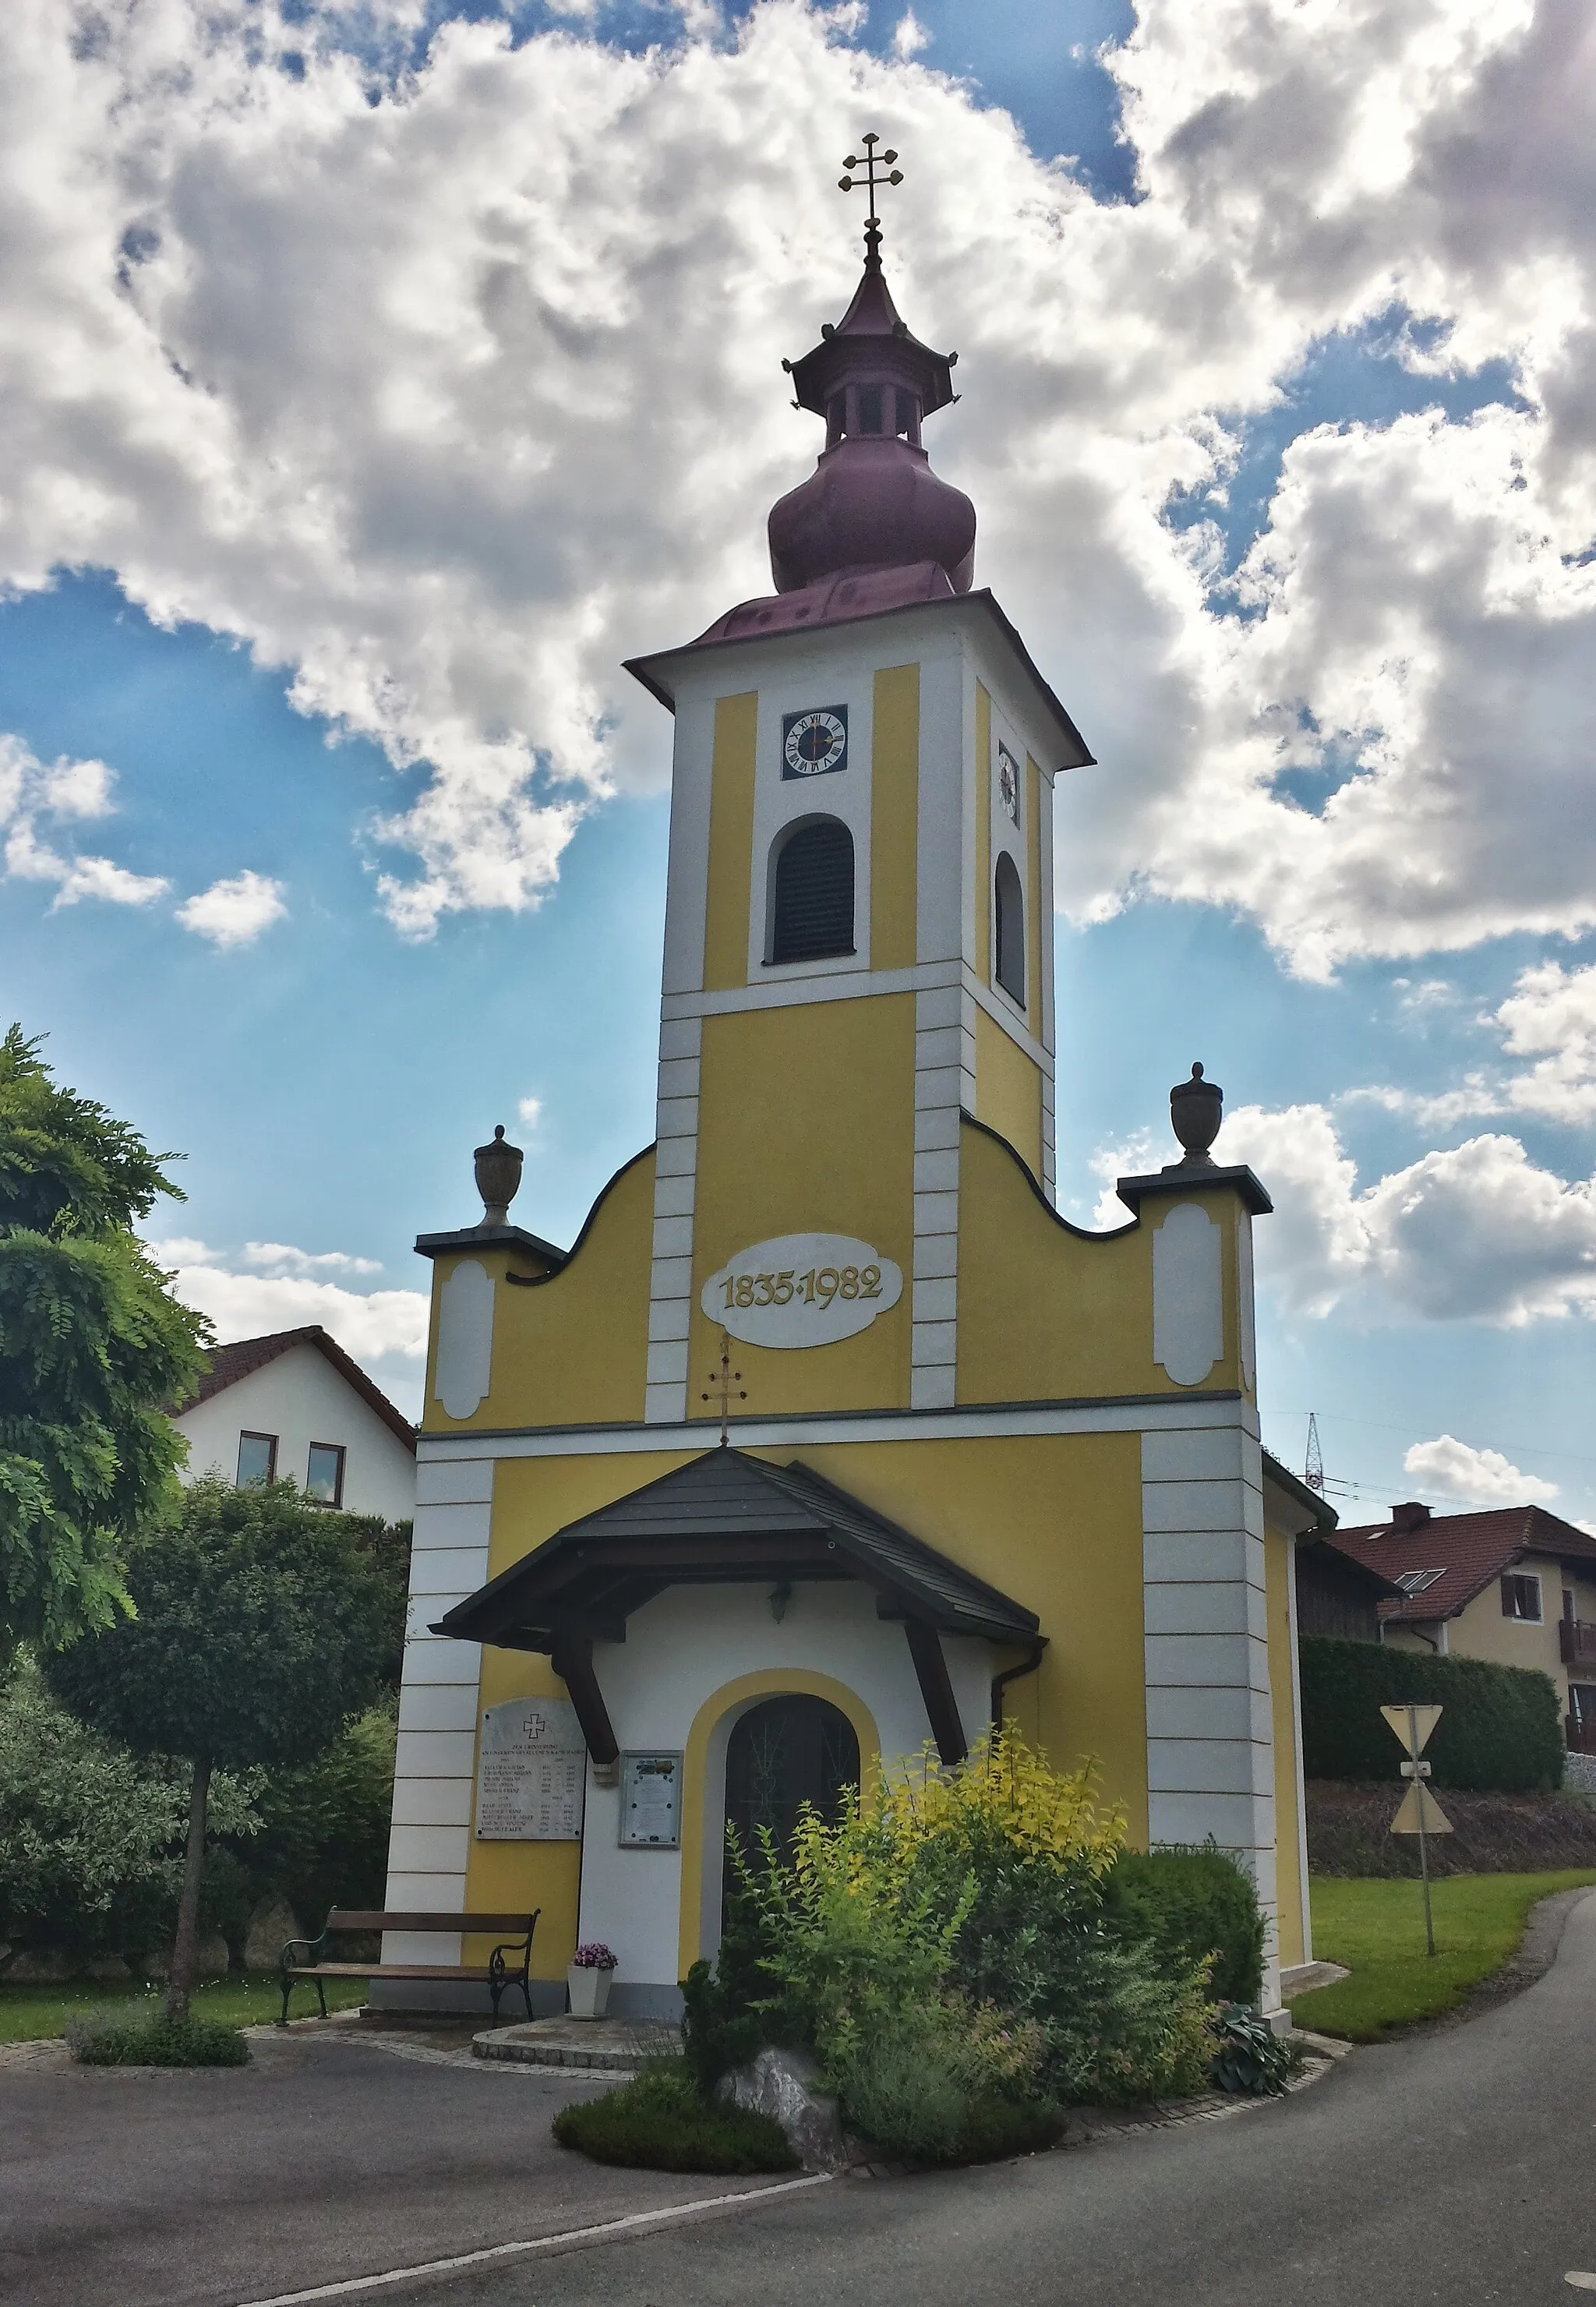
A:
(1420, 1814)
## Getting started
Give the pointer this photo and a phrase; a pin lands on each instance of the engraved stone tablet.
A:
(531, 1771)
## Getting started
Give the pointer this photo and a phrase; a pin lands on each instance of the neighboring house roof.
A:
(229, 1364)
(1466, 1552)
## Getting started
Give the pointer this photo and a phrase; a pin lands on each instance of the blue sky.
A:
(327, 1076)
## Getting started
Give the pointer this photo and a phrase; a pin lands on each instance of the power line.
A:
(1379, 1426)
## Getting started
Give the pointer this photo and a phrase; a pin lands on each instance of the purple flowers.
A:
(594, 1956)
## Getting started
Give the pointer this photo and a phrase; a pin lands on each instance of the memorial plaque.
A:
(531, 1770)
(650, 1801)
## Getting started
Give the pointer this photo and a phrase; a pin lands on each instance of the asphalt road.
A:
(1459, 2166)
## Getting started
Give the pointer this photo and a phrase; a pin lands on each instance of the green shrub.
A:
(89, 1833)
(1250, 2057)
(147, 2039)
(945, 2083)
(1501, 1728)
(980, 1891)
(323, 1838)
(1191, 1905)
(662, 2121)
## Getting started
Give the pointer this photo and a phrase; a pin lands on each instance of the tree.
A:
(261, 1627)
(92, 1344)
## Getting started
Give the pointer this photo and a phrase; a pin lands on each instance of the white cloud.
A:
(1550, 1015)
(530, 1110)
(282, 1257)
(434, 404)
(1454, 1469)
(235, 911)
(374, 1327)
(63, 790)
(1478, 1233)
(909, 36)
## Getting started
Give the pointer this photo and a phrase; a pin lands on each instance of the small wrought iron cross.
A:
(721, 1383)
(872, 161)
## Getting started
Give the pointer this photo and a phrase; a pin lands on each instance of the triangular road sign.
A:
(1424, 1721)
(1420, 1812)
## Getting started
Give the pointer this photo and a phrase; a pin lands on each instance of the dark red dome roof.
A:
(872, 502)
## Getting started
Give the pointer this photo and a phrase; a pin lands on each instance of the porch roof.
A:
(725, 1518)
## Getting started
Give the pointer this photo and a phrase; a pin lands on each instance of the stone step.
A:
(609, 2046)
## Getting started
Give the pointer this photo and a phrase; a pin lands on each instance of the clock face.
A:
(814, 742)
(1008, 781)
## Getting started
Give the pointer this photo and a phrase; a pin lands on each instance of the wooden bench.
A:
(514, 1932)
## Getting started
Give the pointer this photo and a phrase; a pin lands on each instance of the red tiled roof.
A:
(229, 1364)
(1469, 1550)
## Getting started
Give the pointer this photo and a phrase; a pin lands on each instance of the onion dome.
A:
(872, 502)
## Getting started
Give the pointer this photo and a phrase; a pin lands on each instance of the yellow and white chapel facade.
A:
(829, 1437)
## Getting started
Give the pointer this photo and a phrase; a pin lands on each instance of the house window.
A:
(811, 893)
(1011, 930)
(1521, 1598)
(324, 1477)
(257, 1458)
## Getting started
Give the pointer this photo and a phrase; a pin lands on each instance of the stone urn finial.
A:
(498, 1177)
(1196, 1109)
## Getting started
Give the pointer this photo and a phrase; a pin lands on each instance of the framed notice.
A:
(531, 1769)
(650, 1801)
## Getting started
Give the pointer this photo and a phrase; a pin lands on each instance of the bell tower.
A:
(858, 945)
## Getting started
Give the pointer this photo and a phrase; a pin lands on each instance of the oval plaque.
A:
(802, 1289)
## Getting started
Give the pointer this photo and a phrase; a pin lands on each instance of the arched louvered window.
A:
(1011, 930)
(811, 893)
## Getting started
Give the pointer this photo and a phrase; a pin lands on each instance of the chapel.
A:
(830, 1444)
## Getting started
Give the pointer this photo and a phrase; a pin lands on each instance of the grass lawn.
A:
(28, 2013)
(1377, 1929)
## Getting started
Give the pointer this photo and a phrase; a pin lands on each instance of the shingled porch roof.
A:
(726, 1518)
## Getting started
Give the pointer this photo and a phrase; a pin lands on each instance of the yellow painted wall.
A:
(730, 840)
(1044, 1314)
(1054, 1520)
(895, 803)
(573, 1350)
(983, 834)
(1034, 1004)
(1277, 1573)
(1009, 1091)
(806, 1122)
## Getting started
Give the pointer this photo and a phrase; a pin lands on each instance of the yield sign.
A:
(1412, 1725)
(1421, 1813)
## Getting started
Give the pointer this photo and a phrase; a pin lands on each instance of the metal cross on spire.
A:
(722, 1383)
(872, 162)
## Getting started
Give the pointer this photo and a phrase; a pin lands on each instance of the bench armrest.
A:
(313, 1947)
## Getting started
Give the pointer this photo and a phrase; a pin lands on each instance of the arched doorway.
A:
(784, 1753)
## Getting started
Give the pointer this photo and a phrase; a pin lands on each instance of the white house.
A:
(295, 1407)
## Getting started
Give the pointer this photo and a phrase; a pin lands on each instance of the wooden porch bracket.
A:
(572, 1659)
(936, 1688)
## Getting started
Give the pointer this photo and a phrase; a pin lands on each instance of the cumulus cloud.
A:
(1454, 1469)
(1478, 1233)
(1550, 1015)
(410, 386)
(376, 1327)
(30, 792)
(530, 1110)
(235, 911)
(281, 1257)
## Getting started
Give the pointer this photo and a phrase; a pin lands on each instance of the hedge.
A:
(1502, 1728)
(1190, 1905)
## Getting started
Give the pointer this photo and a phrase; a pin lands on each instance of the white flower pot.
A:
(589, 1991)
